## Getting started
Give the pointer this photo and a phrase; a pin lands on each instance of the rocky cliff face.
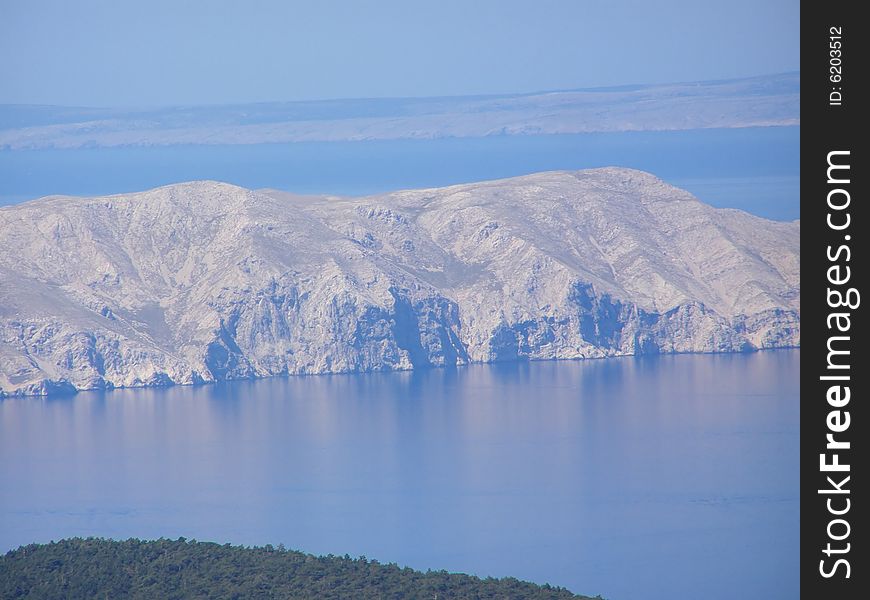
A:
(204, 281)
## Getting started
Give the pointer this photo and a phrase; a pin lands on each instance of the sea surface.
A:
(753, 169)
(635, 478)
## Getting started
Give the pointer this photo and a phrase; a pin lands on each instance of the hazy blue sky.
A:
(158, 52)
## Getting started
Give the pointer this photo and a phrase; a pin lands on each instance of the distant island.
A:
(764, 101)
(98, 568)
(206, 281)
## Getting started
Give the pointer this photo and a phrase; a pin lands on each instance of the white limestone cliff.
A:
(205, 281)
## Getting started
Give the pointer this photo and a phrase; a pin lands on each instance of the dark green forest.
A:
(100, 569)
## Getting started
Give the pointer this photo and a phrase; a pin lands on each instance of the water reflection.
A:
(658, 477)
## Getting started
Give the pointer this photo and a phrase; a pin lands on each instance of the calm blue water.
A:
(754, 169)
(660, 477)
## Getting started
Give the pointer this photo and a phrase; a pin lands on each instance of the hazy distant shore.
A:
(750, 102)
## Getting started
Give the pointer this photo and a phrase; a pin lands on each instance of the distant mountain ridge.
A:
(206, 281)
(751, 102)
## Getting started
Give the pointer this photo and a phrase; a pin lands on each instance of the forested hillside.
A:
(98, 568)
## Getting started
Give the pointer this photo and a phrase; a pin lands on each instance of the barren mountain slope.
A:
(202, 281)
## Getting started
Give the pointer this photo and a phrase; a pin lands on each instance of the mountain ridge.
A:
(203, 281)
(762, 101)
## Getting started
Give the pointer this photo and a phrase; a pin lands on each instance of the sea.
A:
(653, 477)
(752, 169)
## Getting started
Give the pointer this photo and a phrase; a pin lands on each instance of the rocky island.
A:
(205, 281)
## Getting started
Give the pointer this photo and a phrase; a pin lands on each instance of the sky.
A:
(125, 53)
